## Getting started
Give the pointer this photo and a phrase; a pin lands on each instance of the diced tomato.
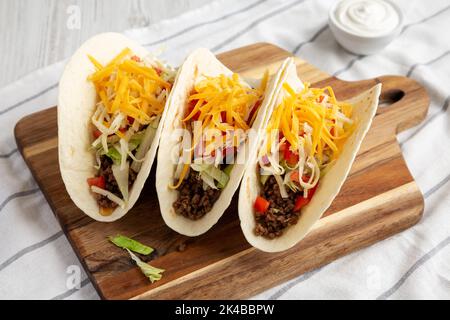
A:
(294, 177)
(283, 147)
(254, 110)
(130, 120)
(300, 203)
(97, 133)
(191, 106)
(332, 129)
(158, 70)
(97, 181)
(136, 58)
(301, 132)
(290, 157)
(123, 130)
(261, 205)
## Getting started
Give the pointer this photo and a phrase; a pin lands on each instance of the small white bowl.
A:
(364, 45)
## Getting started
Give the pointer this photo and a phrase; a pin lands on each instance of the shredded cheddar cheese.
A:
(222, 104)
(131, 95)
(129, 86)
(307, 129)
(319, 109)
(223, 96)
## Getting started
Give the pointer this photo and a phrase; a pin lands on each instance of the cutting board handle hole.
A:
(390, 97)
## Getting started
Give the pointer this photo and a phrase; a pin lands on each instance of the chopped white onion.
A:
(109, 195)
(117, 123)
(283, 191)
(131, 155)
(123, 153)
(121, 176)
(343, 118)
(146, 142)
(104, 139)
(97, 160)
(208, 180)
(97, 141)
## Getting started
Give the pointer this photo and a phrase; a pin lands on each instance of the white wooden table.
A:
(36, 33)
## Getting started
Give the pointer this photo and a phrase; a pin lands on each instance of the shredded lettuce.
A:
(208, 181)
(114, 155)
(152, 273)
(228, 169)
(283, 191)
(199, 167)
(111, 196)
(146, 141)
(112, 139)
(227, 172)
(135, 141)
(121, 176)
(133, 245)
(210, 171)
(202, 168)
(218, 175)
(263, 178)
(123, 154)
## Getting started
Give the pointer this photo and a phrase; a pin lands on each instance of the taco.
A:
(304, 154)
(205, 141)
(112, 101)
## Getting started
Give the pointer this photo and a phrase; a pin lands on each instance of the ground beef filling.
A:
(194, 201)
(111, 183)
(280, 213)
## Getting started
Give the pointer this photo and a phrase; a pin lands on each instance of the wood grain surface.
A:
(37, 33)
(378, 199)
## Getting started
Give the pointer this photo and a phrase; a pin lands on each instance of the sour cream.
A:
(366, 18)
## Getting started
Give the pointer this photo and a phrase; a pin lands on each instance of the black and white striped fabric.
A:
(35, 257)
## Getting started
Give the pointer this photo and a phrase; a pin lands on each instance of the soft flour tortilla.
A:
(198, 64)
(76, 105)
(365, 106)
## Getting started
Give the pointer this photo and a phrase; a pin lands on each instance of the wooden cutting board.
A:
(378, 199)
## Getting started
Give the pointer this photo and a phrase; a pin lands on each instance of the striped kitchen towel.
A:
(36, 261)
